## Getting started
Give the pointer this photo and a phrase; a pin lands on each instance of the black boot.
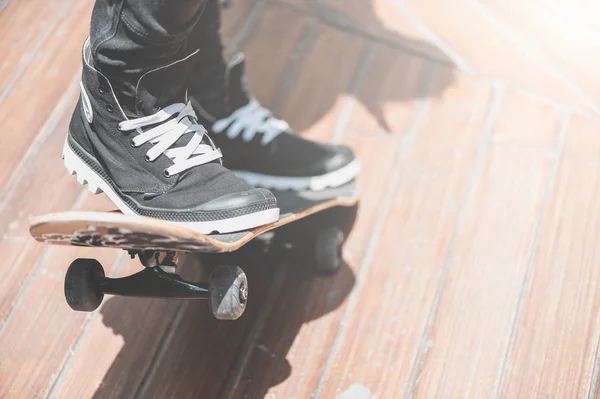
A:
(259, 148)
(152, 158)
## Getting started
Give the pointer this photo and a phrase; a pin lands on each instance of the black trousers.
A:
(131, 37)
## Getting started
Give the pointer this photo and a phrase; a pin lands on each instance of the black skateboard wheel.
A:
(228, 288)
(82, 288)
(328, 250)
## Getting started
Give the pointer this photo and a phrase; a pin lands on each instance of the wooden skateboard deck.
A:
(116, 230)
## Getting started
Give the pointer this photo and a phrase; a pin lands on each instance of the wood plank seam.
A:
(460, 62)
(542, 97)
(36, 146)
(533, 55)
(400, 152)
(531, 148)
(535, 248)
(162, 347)
(247, 29)
(339, 129)
(66, 366)
(60, 14)
(498, 94)
(593, 391)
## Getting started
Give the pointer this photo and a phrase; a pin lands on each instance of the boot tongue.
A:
(161, 87)
(236, 82)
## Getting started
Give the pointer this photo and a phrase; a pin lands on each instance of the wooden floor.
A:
(472, 271)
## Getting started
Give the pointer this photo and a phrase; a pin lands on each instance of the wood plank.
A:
(36, 340)
(377, 343)
(20, 257)
(558, 332)
(266, 68)
(41, 270)
(527, 121)
(18, 45)
(35, 94)
(558, 36)
(481, 45)
(291, 352)
(44, 186)
(44, 174)
(486, 271)
(17, 245)
(324, 83)
(234, 19)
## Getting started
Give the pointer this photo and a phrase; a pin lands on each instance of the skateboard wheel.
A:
(228, 289)
(328, 250)
(82, 289)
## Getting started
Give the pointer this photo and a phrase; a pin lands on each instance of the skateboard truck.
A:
(86, 284)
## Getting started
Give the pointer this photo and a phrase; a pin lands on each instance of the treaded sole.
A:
(96, 185)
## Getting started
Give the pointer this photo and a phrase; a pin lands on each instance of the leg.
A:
(131, 37)
(207, 81)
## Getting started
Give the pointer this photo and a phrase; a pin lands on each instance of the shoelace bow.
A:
(250, 120)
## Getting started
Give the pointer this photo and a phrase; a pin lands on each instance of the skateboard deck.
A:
(116, 230)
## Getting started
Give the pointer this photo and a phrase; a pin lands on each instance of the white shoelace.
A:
(250, 120)
(165, 134)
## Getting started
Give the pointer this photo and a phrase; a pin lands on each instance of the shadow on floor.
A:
(317, 89)
(190, 354)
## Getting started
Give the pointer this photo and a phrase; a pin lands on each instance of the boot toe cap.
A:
(253, 198)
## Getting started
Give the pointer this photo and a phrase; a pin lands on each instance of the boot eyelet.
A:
(109, 108)
(132, 143)
(166, 173)
(101, 89)
(147, 158)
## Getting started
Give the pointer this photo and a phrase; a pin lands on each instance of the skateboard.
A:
(315, 222)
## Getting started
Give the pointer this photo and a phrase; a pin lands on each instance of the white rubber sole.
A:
(314, 183)
(97, 185)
